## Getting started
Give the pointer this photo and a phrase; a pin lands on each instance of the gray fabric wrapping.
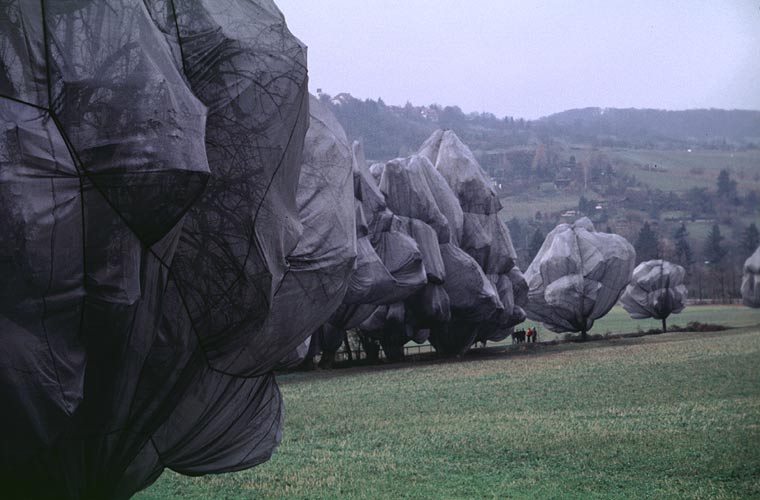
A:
(154, 236)
(252, 264)
(751, 281)
(397, 251)
(427, 241)
(472, 295)
(459, 308)
(408, 194)
(457, 289)
(375, 321)
(409, 197)
(482, 235)
(445, 199)
(656, 290)
(463, 173)
(577, 276)
(376, 171)
(373, 282)
(295, 357)
(328, 211)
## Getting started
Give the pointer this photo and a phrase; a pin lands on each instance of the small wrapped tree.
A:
(577, 276)
(751, 281)
(657, 290)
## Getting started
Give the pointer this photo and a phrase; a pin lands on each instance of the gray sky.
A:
(530, 58)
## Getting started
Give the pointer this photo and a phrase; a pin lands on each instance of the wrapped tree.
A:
(457, 293)
(751, 281)
(479, 231)
(577, 276)
(374, 281)
(656, 291)
(326, 184)
(417, 214)
(154, 237)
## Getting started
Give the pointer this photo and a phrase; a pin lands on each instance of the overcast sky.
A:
(530, 58)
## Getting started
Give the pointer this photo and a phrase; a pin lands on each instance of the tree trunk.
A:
(584, 335)
(347, 346)
(664, 325)
(394, 351)
(373, 353)
(327, 361)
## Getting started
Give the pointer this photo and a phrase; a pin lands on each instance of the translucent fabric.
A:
(479, 231)
(577, 276)
(751, 281)
(656, 290)
(458, 298)
(154, 238)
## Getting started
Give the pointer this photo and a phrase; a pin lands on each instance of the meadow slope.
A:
(666, 416)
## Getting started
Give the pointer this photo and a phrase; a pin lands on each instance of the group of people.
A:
(529, 335)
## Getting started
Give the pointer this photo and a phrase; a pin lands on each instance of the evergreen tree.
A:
(752, 201)
(750, 240)
(714, 252)
(583, 205)
(726, 186)
(647, 246)
(684, 255)
(535, 244)
(516, 232)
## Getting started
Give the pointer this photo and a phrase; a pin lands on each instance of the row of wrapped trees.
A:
(442, 262)
(177, 219)
(578, 275)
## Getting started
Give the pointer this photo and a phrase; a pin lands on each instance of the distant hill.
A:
(389, 131)
(713, 128)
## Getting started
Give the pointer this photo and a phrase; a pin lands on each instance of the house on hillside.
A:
(564, 178)
(569, 216)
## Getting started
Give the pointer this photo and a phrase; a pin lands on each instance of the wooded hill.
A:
(388, 131)
(654, 128)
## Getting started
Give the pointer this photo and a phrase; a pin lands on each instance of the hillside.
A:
(667, 416)
(654, 128)
(389, 131)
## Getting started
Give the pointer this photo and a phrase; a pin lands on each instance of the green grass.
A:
(684, 170)
(526, 206)
(667, 416)
(619, 321)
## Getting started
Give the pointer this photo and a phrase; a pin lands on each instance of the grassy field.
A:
(684, 170)
(680, 171)
(618, 321)
(525, 207)
(666, 416)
